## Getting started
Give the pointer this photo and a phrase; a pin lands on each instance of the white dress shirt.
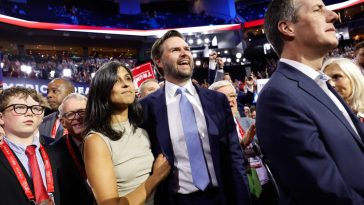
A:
(182, 182)
(314, 75)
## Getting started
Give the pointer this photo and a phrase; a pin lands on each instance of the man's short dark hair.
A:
(278, 10)
(156, 51)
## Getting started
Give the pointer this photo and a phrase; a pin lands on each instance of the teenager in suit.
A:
(51, 128)
(221, 163)
(21, 112)
(71, 115)
(312, 139)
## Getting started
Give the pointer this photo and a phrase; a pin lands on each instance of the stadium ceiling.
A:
(65, 28)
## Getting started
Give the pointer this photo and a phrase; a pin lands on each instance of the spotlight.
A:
(52, 73)
(198, 63)
(67, 72)
(25, 68)
(238, 55)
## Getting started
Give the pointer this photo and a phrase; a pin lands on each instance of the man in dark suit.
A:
(221, 178)
(312, 139)
(69, 147)
(21, 112)
(57, 90)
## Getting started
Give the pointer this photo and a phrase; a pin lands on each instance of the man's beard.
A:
(173, 71)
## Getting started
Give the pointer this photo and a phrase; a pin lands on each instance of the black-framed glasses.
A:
(22, 109)
(72, 115)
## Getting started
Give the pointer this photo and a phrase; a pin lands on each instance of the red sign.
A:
(142, 73)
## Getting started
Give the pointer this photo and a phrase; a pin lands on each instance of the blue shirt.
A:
(19, 151)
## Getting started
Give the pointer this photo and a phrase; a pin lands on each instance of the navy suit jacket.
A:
(226, 153)
(11, 191)
(315, 155)
(45, 129)
(78, 188)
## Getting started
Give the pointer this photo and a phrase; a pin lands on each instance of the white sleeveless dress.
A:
(132, 158)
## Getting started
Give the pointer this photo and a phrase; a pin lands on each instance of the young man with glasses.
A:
(28, 170)
(71, 115)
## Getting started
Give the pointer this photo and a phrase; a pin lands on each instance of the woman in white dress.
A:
(117, 153)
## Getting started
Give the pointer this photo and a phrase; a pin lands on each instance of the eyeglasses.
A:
(72, 115)
(22, 109)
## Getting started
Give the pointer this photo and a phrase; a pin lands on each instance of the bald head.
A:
(57, 90)
(148, 87)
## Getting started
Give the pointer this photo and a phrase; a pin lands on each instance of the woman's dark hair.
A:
(99, 108)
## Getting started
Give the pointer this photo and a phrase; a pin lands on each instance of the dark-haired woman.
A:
(117, 153)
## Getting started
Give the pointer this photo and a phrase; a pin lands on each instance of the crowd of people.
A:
(50, 68)
(56, 12)
(182, 143)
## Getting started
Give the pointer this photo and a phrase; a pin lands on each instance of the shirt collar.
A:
(308, 71)
(172, 88)
(19, 148)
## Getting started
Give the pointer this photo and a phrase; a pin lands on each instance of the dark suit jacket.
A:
(226, 153)
(11, 191)
(45, 129)
(80, 191)
(315, 154)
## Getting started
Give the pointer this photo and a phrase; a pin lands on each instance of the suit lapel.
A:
(6, 163)
(77, 151)
(162, 127)
(310, 87)
(206, 100)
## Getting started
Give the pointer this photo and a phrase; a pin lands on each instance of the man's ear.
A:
(286, 28)
(159, 66)
(158, 62)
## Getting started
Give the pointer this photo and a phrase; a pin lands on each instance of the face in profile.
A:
(339, 80)
(176, 60)
(56, 92)
(315, 28)
(231, 95)
(123, 92)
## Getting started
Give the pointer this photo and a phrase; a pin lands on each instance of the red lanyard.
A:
(75, 159)
(19, 173)
(56, 125)
(54, 129)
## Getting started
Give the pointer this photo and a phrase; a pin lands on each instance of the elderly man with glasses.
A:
(71, 115)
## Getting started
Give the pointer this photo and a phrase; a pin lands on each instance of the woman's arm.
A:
(100, 173)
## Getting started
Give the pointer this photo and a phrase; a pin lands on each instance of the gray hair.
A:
(219, 84)
(279, 10)
(76, 96)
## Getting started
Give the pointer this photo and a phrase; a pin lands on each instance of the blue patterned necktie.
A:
(199, 171)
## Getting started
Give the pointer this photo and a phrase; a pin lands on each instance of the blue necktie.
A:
(199, 171)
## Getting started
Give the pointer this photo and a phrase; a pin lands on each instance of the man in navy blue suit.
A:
(311, 138)
(222, 156)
